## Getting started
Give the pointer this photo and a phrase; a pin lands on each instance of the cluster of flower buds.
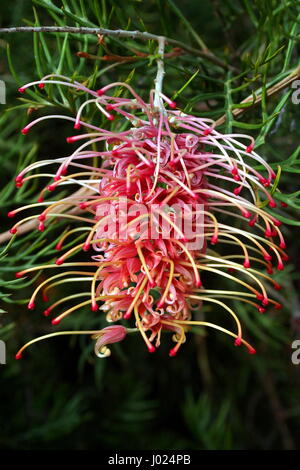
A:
(164, 201)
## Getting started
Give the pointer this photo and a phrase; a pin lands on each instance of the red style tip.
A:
(173, 352)
(58, 246)
(173, 104)
(13, 230)
(11, 214)
(31, 306)
(198, 283)
(19, 184)
(110, 117)
(267, 257)
(100, 92)
(236, 178)
(55, 321)
(278, 306)
(246, 264)
(251, 350)
(70, 140)
(160, 304)
(126, 316)
(19, 275)
(237, 191)
(249, 148)
(109, 107)
(265, 301)
(277, 223)
(21, 90)
(41, 86)
(207, 132)
(18, 356)
(268, 233)
(86, 247)
(59, 261)
(94, 307)
(151, 348)
(267, 183)
(42, 217)
(51, 187)
(77, 125)
(41, 227)
(234, 171)
(280, 266)
(272, 204)
(259, 296)
(252, 222)
(45, 298)
(237, 342)
(40, 199)
(214, 240)
(261, 309)
(46, 312)
(283, 204)
(282, 245)
(24, 131)
(246, 214)
(262, 180)
(82, 205)
(57, 177)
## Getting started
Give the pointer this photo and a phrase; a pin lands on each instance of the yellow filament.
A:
(63, 281)
(74, 230)
(47, 266)
(140, 327)
(182, 334)
(87, 302)
(93, 294)
(70, 297)
(51, 279)
(219, 195)
(164, 216)
(213, 325)
(58, 333)
(218, 302)
(190, 258)
(170, 195)
(128, 170)
(169, 281)
(128, 311)
(217, 271)
(143, 261)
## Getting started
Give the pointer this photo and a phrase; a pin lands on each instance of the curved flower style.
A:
(168, 187)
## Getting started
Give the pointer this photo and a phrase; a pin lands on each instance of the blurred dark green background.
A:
(212, 395)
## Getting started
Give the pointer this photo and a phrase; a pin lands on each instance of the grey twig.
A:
(160, 74)
(118, 33)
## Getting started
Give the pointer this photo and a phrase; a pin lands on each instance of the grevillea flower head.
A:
(155, 204)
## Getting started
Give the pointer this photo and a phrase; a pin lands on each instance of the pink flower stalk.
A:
(138, 270)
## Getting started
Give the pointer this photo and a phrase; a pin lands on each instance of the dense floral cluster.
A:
(155, 202)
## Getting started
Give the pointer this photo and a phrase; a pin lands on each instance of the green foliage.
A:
(61, 396)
